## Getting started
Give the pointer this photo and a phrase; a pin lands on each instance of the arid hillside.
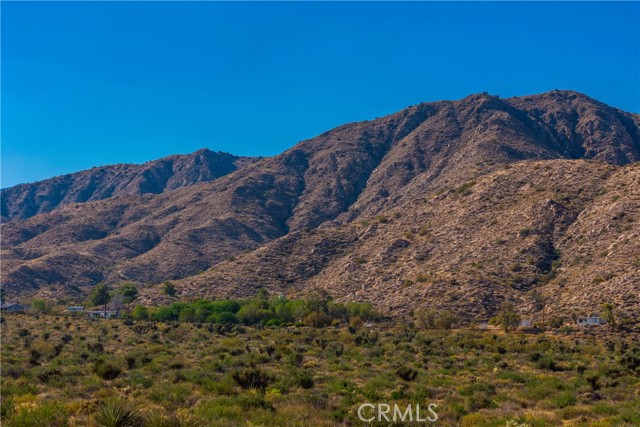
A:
(452, 204)
(564, 229)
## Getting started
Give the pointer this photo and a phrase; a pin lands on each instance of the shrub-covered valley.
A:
(276, 362)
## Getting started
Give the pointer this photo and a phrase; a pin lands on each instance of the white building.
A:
(102, 313)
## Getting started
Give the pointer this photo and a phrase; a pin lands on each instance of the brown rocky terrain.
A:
(452, 204)
(567, 229)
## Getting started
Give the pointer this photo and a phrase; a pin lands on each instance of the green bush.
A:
(45, 415)
(226, 318)
(406, 373)
(105, 370)
(252, 378)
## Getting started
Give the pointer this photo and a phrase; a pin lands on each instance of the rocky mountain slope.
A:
(566, 229)
(455, 204)
(26, 200)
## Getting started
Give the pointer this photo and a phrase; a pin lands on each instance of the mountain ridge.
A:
(353, 173)
(23, 201)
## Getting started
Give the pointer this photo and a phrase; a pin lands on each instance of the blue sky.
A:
(93, 83)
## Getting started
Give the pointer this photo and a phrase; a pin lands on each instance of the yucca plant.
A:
(116, 413)
(186, 419)
(158, 419)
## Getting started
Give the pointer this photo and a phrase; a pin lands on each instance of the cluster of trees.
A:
(101, 295)
(317, 310)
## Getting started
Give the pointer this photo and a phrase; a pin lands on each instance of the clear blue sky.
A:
(93, 83)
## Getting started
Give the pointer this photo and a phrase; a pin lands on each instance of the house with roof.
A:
(13, 308)
(108, 314)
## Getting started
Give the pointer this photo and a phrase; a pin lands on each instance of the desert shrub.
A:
(34, 356)
(406, 373)
(477, 396)
(6, 406)
(170, 395)
(141, 380)
(593, 381)
(95, 347)
(563, 399)
(630, 359)
(297, 377)
(47, 374)
(475, 420)
(547, 362)
(421, 278)
(45, 415)
(556, 322)
(465, 189)
(169, 289)
(252, 378)
(105, 370)
(335, 348)
(116, 413)
(381, 219)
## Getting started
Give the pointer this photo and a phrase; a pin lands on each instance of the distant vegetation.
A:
(318, 310)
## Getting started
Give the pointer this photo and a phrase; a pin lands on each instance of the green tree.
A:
(226, 318)
(39, 306)
(251, 313)
(187, 314)
(262, 297)
(541, 304)
(140, 313)
(508, 317)
(170, 289)
(607, 310)
(432, 319)
(426, 319)
(129, 293)
(317, 302)
(100, 296)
